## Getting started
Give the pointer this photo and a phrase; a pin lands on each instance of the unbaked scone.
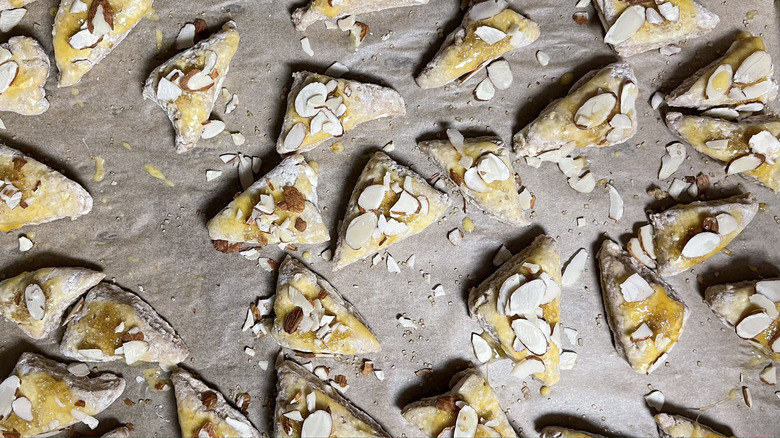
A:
(743, 75)
(280, 207)
(634, 26)
(204, 412)
(644, 314)
(600, 110)
(489, 30)
(320, 108)
(32, 193)
(306, 406)
(318, 10)
(187, 85)
(86, 31)
(751, 309)
(312, 316)
(519, 306)
(114, 324)
(677, 426)
(749, 146)
(42, 396)
(688, 234)
(36, 300)
(24, 68)
(470, 406)
(389, 203)
(482, 170)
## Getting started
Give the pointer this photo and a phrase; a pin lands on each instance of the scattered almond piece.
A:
(502, 255)
(615, 203)
(306, 46)
(543, 58)
(25, 244)
(656, 400)
(573, 271)
(769, 375)
(455, 237)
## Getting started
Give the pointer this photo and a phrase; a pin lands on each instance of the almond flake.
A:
(306, 46)
(543, 58)
(438, 291)
(745, 163)
(491, 168)
(727, 224)
(719, 82)
(500, 74)
(455, 236)
(466, 422)
(656, 100)
(530, 335)
(573, 270)
(392, 265)
(753, 324)
(669, 11)
(36, 301)
(294, 138)
(770, 289)
(766, 144)
(406, 322)
(526, 298)
(232, 104)
(615, 203)
(485, 90)
(482, 350)
(336, 70)
(595, 111)
(627, 24)
(769, 375)
(134, 351)
(23, 408)
(528, 367)
(718, 145)
(186, 37)
(754, 68)
(526, 199)
(653, 16)
(25, 244)
(238, 138)
(637, 251)
(212, 128)
(502, 255)
(701, 244)
(78, 7)
(583, 184)
(8, 389)
(669, 49)
(8, 72)
(346, 23)
(656, 400)
(405, 205)
(316, 90)
(490, 35)
(9, 18)
(568, 360)
(675, 156)
(747, 396)
(657, 363)
(167, 91)
(641, 333)
(487, 9)
(635, 289)
(646, 240)
(762, 302)
(750, 107)
(722, 112)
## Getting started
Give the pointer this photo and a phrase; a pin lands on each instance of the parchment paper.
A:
(152, 239)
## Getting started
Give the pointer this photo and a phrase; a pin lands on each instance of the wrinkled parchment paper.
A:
(151, 238)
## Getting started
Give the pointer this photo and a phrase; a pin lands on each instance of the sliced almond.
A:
(186, 37)
(670, 11)
(769, 289)
(656, 400)
(530, 335)
(482, 350)
(637, 252)
(500, 74)
(615, 203)
(526, 298)
(750, 107)
(657, 363)
(762, 302)
(745, 163)
(647, 241)
(568, 360)
(23, 408)
(487, 9)
(769, 375)
(371, 197)
(570, 167)
(294, 138)
(25, 244)
(719, 82)
(317, 424)
(306, 46)
(675, 156)
(359, 231)
(722, 112)
(312, 90)
(727, 224)
(8, 73)
(489, 34)
(628, 23)
(573, 271)
(405, 205)
(508, 286)
(455, 237)
(775, 345)
(635, 289)
(701, 244)
(755, 67)
(752, 92)
(9, 18)
(595, 111)
(641, 333)
(552, 291)
(753, 324)
(653, 17)
(491, 168)
(134, 351)
(196, 81)
(474, 181)
(656, 100)
(628, 96)
(747, 396)
(620, 121)
(167, 91)
(485, 90)
(528, 367)
(8, 389)
(766, 144)
(78, 7)
(543, 58)
(36, 301)
(718, 145)
(583, 184)
(466, 423)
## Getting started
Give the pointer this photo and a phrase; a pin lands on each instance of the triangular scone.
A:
(471, 405)
(32, 193)
(644, 313)
(279, 207)
(488, 31)
(689, 234)
(641, 30)
(204, 412)
(598, 111)
(318, 10)
(305, 401)
(86, 31)
(37, 300)
(562, 432)
(25, 62)
(187, 85)
(677, 426)
(488, 160)
(389, 203)
(320, 108)
(115, 324)
(42, 396)
(312, 316)
(520, 305)
(751, 309)
(728, 141)
(743, 75)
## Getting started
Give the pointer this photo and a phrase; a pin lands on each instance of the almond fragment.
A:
(485, 90)
(770, 289)
(646, 240)
(500, 74)
(573, 270)
(641, 333)
(595, 111)
(530, 335)
(212, 128)
(36, 301)
(317, 424)
(543, 58)
(581, 18)
(528, 367)
(489, 34)
(446, 403)
(474, 181)
(635, 289)
(719, 82)
(670, 11)
(8, 72)
(627, 24)
(293, 320)
(769, 374)
(753, 324)
(466, 422)
(360, 230)
(727, 224)
(656, 400)
(583, 184)
(615, 203)
(9, 18)
(195, 80)
(637, 252)
(701, 244)
(209, 400)
(754, 68)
